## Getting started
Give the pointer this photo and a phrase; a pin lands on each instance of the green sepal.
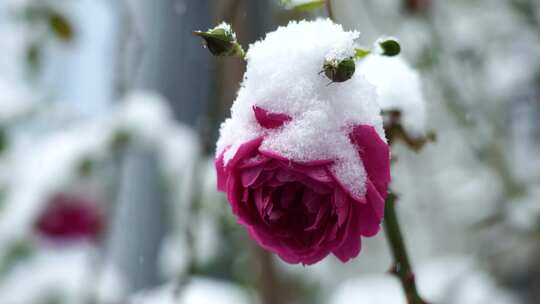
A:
(361, 53)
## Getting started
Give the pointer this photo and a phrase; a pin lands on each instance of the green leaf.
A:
(60, 26)
(306, 6)
(309, 5)
(361, 53)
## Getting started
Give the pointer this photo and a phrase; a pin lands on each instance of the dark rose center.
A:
(293, 206)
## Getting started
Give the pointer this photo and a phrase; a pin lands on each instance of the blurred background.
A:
(109, 111)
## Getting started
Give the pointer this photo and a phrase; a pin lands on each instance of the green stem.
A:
(329, 10)
(402, 268)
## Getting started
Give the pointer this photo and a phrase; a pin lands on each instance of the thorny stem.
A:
(402, 268)
(329, 9)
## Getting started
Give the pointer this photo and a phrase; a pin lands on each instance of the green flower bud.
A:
(221, 41)
(339, 70)
(390, 47)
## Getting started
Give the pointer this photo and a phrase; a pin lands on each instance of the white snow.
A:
(226, 27)
(111, 286)
(42, 166)
(372, 289)
(209, 291)
(399, 88)
(160, 295)
(447, 280)
(460, 279)
(174, 256)
(60, 272)
(16, 100)
(283, 75)
(523, 212)
(143, 114)
(198, 290)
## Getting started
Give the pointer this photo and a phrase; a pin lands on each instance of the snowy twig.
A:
(402, 268)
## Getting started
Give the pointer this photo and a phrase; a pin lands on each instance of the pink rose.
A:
(300, 210)
(70, 217)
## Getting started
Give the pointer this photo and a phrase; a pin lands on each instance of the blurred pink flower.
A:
(70, 217)
(300, 210)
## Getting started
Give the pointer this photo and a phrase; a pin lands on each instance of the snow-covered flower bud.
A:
(221, 41)
(339, 70)
(305, 165)
(400, 96)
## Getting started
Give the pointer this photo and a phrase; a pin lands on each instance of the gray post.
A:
(166, 59)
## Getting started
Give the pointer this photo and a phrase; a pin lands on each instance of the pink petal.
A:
(245, 196)
(319, 174)
(287, 196)
(343, 188)
(274, 155)
(259, 200)
(322, 214)
(315, 255)
(250, 175)
(264, 177)
(286, 176)
(244, 151)
(270, 120)
(265, 239)
(253, 161)
(330, 233)
(311, 200)
(349, 250)
(342, 203)
(221, 173)
(369, 222)
(351, 244)
(375, 156)
(316, 172)
(375, 200)
(235, 194)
